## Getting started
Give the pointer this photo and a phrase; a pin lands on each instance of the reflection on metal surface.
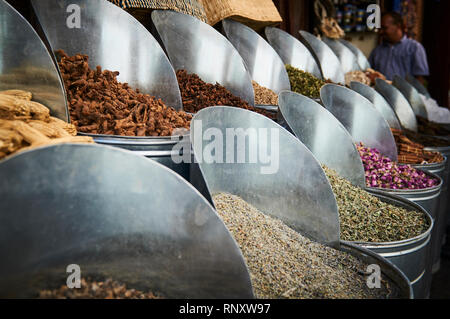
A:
(411, 95)
(26, 64)
(114, 40)
(329, 62)
(262, 61)
(360, 118)
(323, 134)
(379, 102)
(198, 48)
(362, 60)
(419, 86)
(115, 215)
(348, 60)
(398, 103)
(296, 191)
(292, 51)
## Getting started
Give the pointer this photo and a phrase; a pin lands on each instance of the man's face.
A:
(390, 31)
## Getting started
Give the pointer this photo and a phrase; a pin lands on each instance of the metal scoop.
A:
(378, 101)
(419, 86)
(348, 60)
(360, 56)
(248, 155)
(411, 95)
(329, 62)
(398, 103)
(198, 48)
(262, 61)
(360, 118)
(292, 51)
(323, 135)
(114, 214)
(26, 64)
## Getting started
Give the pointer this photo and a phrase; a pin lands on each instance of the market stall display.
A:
(263, 63)
(363, 122)
(26, 64)
(346, 57)
(399, 104)
(292, 51)
(378, 101)
(323, 135)
(198, 48)
(327, 60)
(76, 212)
(411, 94)
(304, 83)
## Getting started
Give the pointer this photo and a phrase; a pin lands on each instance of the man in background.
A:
(397, 54)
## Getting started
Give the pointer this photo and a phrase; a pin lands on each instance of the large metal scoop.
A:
(112, 39)
(329, 62)
(419, 86)
(378, 101)
(362, 60)
(398, 103)
(198, 48)
(115, 215)
(262, 61)
(411, 95)
(26, 64)
(360, 118)
(323, 135)
(248, 155)
(347, 58)
(292, 51)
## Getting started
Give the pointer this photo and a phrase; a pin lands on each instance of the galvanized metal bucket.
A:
(411, 255)
(114, 214)
(428, 199)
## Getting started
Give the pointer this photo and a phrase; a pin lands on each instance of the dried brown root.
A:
(20, 94)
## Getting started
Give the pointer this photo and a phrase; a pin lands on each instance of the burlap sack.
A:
(254, 13)
(141, 8)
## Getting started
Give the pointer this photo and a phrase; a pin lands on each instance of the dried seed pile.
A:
(284, 264)
(413, 153)
(108, 289)
(365, 218)
(303, 82)
(357, 76)
(197, 94)
(263, 95)
(99, 104)
(25, 124)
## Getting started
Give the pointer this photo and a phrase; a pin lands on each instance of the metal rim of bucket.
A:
(178, 178)
(394, 271)
(430, 165)
(400, 243)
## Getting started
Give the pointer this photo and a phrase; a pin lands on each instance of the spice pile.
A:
(108, 289)
(426, 140)
(380, 171)
(430, 128)
(374, 75)
(357, 76)
(99, 104)
(304, 83)
(284, 264)
(25, 124)
(413, 153)
(197, 94)
(263, 95)
(365, 218)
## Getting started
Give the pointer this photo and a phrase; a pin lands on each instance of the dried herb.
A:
(365, 218)
(303, 82)
(284, 264)
(264, 96)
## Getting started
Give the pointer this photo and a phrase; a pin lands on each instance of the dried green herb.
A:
(365, 218)
(303, 82)
(284, 264)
